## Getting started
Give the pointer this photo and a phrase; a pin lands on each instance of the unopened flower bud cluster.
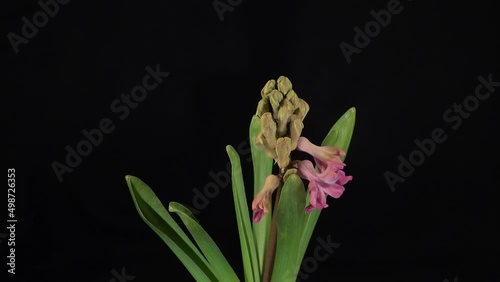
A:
(281, 114)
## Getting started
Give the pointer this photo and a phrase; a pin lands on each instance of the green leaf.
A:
(247, 242)
(156, 216)
(290, 221)
(339, 136)
(220, 265)
(262, 167)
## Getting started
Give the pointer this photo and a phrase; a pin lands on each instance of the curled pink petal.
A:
(343, 179)
(309, 209)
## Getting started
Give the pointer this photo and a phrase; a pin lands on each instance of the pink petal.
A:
(335, 163)
(329, 176)
(333, 190)
(257, 215)
(309, 209)
(342, 178)
(316, 196)
(306, 170)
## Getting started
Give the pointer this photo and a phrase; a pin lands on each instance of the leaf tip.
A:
(173, 206)
(230, 149)
(170, 207)
(129, 179)
(351, 113)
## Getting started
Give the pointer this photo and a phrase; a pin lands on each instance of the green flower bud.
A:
(284, 84)
(270, 86)
(284, 113)
(283, 149)
(293, 98)
(262, 107)
(268, 128)
(302, 109)
(260, 141)
(275, 98)
(296, 127)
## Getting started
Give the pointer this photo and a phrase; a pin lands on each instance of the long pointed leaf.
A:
(339, 136)
(156, 216)
(247, 242)
(220, 265)
(262, 167)
(291, 220)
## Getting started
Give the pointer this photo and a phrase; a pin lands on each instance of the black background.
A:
(439, 224)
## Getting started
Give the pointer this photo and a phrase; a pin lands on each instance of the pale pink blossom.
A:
(262, 201)
(321, 154)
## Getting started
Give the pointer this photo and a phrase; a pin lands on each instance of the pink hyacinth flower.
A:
(330, 177)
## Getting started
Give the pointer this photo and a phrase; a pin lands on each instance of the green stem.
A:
(271, 247)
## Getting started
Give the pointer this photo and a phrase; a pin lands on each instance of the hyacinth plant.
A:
(274, 244)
